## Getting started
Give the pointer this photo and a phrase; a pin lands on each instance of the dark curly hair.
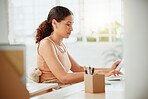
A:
(45, 29)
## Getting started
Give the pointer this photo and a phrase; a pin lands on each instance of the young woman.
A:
(53, 58)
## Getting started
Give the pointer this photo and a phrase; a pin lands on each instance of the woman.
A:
(53, 58)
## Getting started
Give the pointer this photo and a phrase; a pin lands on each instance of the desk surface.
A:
(77, 91)
(34, 88)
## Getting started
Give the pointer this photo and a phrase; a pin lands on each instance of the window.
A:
(94, 20)
(103, 20)
(25, 16)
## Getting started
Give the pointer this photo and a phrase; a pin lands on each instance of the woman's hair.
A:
(45, 29)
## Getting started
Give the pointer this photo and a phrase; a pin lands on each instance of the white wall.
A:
(92, 53)
(136, 48)
(83, 53)
(4, 21)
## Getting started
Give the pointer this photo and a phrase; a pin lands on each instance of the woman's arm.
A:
(48, 52)
(114, 66)
(75, 67)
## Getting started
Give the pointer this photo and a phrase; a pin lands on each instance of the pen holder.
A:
(94, 83)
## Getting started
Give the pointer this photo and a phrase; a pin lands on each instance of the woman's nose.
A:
(71, 28)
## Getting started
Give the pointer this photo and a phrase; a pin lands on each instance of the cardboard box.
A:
(94, 83)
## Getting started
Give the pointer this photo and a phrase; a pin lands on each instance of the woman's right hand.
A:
(113, 72)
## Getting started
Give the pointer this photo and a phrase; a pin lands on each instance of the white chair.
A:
(34, 87)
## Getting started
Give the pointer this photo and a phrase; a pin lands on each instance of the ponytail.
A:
(43, 30)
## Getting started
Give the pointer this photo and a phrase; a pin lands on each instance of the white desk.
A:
(76, 91)
(35, 88)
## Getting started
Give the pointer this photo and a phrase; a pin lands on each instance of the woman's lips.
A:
(69, 33)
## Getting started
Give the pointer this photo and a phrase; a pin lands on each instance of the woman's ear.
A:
(54, 23)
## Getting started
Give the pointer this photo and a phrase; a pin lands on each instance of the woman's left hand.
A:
(114, 66)
(113, 72)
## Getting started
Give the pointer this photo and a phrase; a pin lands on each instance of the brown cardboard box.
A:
(94, 83)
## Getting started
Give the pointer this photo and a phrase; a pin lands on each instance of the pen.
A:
(85, 69)
(89, 70)
(92, 70)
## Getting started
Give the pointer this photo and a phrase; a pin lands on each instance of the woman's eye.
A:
(68, 24)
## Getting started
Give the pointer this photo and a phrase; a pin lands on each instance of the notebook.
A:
(121, 65)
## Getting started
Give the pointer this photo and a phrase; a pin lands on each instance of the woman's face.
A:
(64, 27)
